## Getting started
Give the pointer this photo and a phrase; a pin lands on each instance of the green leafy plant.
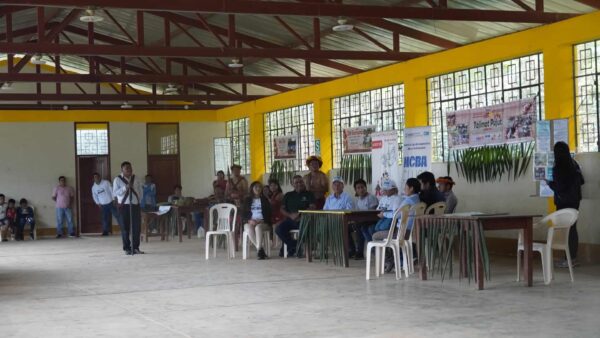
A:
(283, 171)
(356, 166)
(491, 163)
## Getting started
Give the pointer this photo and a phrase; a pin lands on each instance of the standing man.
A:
(63, 195)
(237, 186)
(128, 192)
(103, 196)
(316, 181)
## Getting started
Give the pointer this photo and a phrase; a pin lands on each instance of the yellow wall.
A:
(555, 41)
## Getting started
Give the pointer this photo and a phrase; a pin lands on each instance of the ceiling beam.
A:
(84, 49)
(591, 3)
(61, 106)
(308, 9)
(159, 78)
(126, 97)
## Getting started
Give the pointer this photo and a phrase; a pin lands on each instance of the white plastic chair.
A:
(226, 217)
(560, 220)
(395, 244)
(246, 246)
(438, 208)
(294, 234)
(419, 210)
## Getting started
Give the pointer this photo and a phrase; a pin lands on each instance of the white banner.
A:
(384, 158)
(285, 147)
(416, 152)
(357, 140)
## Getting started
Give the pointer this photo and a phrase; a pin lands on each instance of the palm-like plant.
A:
(283, 171)
(356, 166)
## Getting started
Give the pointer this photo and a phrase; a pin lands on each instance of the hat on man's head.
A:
(388, 185)
(314, 158)
(236, 166)
(337, 179)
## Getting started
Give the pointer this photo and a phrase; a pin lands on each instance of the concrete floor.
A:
(87, 288)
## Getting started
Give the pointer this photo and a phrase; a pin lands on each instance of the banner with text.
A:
(416, 152)
(509, 122)
(285, 147)
(384, 158)
(357, 140)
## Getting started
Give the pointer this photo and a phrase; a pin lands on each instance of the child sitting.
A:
(24, 216)
(387, 204)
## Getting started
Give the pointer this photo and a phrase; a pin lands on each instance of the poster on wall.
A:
(560, 131)
(509, 122)
(357, 140)
(548, 132)
(286, 147)
(416, 152)
(384, 157)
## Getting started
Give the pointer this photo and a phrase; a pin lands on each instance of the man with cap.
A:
(339, 200)
(316, 181)
(445, 185)
(388, 205)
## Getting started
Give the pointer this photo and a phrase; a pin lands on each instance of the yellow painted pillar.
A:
(323, 114)
(257, 146)
(415, 102)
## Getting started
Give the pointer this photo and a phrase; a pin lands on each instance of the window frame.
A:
(235, 133)
(578, 104)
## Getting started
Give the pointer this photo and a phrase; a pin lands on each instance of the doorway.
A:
(163, 158)
(92, 155)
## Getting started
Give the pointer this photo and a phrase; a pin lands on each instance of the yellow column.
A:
(257, 146)
(415, 102)
(322, 109)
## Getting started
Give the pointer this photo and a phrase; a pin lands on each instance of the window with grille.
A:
(481, 86)
(162, 138)
(92, 138)
(222, 147)
(587, 95)
(297, 120)
(382, 108)
(168, 145)
(239, 133)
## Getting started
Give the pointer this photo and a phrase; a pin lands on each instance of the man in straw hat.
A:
(237, 186)
(316, 181)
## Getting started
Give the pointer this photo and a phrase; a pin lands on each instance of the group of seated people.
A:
(267, 208)
(13, 220)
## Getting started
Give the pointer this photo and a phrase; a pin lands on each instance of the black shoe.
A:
(31, 236)
(128, 252)
(72, 235)
(352, 254)
(58, 236)
(138, 252)
(262, 254)
(105, 233)
(389, 266)
(359, 257)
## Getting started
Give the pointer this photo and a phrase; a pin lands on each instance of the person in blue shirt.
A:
(148, 202)
(338, 200)
(387, 204)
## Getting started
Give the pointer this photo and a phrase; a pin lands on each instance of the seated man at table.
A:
(178, 199)
(387, 204)
(293, 201)
(445, 185)
(339, 200)
(429, 192)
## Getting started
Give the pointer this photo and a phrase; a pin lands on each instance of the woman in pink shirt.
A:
(63, 195)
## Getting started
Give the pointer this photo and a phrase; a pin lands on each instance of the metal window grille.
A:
(92, 141)
(481, 86)
(239, 133)
(168, 144)
(222, 147)
(382, 108)
(587, 95)
(298, 120)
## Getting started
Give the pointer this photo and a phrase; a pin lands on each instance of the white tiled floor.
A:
(88, 287)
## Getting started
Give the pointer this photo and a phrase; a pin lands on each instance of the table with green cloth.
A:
(436, 237)
(325, 232)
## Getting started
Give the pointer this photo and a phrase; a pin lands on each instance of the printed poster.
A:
(560, 130)
(384, 157)
(285, 147)
(543, 142)
(357, 140)
(510, 122)
(416, 152)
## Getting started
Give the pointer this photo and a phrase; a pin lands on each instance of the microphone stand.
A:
(131, 214)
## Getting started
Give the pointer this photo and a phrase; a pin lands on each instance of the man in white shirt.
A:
(103, 197)
(128, 192)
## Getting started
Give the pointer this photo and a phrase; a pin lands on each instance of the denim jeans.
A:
(283, 231)
(108, 211)
(381, 225)
(61, 214)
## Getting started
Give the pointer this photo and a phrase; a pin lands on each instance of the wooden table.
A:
(480, 223)
(186, 212)
(329, 221)
(148, 217)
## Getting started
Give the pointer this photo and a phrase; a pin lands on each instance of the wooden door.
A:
(165, 173)
(89, 213)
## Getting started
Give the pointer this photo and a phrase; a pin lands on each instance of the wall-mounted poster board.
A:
(548, 132)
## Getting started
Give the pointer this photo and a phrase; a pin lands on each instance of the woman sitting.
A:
(257, 213)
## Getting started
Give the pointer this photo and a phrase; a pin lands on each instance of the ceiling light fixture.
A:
(37, 60)
(235, 63)
(126, 105)
(171, 90)
(90, 16)
(342, 26)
